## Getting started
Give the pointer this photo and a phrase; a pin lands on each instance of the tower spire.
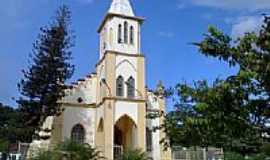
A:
(122, 7)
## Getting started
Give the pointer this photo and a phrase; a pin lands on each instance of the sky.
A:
(170, 28)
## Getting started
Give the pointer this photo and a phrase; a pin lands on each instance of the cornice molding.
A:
(110, 15)
(118, 53)
(81, 105)
(132, 100)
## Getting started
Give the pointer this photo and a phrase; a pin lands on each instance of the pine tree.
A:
(42, 85)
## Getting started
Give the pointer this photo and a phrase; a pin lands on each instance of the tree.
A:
(12, 129)
(43, 83)
(231, 113)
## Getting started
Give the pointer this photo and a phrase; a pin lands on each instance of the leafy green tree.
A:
(43, 82)
(135, 154)
(12, 129)
(232, 113)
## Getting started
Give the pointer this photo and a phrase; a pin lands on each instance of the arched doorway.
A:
(124, 135)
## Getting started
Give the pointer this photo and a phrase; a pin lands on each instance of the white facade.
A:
(126, 67)
(109, 36)
(79, 115)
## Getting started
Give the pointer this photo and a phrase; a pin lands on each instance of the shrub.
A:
(69, 150)
(135, 154)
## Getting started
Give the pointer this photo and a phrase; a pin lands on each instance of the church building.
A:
(107, 109)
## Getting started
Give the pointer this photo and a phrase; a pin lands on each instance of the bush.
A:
(236, 156)
(258, 157)
(70, 150)
(135, 154)
(47, 155)
(3, 145)
(266, 149)
(74, 151)
(233, 156)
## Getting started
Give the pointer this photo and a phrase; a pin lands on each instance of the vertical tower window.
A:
(111, 36)
(131, 87)
(125, 32)
(131, 36)
(78, 134)
(119, 33)
(120, 86)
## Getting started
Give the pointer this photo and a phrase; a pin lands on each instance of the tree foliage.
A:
(4, 145)
(70, 150)
(231, 113)
(135, 154)
(12, 129)
(49, 68)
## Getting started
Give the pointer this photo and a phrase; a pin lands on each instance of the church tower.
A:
(121, 94)
(120, 29)
(107, 109)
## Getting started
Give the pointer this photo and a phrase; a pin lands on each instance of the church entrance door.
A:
(124, 135)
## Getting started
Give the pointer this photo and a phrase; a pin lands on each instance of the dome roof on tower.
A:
(122, 7)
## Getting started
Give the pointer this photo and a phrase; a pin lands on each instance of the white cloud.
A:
(166, 34)
(234, 4)
(246, 24)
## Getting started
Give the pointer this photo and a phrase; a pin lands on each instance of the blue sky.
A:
(170, 27)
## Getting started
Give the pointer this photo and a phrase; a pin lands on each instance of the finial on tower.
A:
(160, 90)
(122, 7)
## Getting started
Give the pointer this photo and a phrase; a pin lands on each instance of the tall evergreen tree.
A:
(49, 68)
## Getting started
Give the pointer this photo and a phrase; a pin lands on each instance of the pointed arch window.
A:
(119, 33)
(125, 32)
(131, 87)
(120, 86)
(131, 36)
(78, 134)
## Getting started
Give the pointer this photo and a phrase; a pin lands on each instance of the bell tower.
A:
(121, 93)
(120, 29)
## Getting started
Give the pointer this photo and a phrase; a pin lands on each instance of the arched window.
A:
(119, 33)
(120, 86)
(78, 134)
(131, 87)
(125, 32)
(131, 36)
